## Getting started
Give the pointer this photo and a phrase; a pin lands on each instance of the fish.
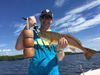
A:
(53, 38)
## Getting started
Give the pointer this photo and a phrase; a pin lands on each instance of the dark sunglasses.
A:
(46, 17)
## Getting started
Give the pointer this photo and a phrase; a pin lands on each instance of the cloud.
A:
(2, 45)
(19, 28)
(85, 7)
(37, 14)
(59, 3)
(9, 52)
(74, 21)
(93, 43)
(97, 39)
(87, 24)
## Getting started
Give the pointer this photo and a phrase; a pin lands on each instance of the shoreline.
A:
(21, 57)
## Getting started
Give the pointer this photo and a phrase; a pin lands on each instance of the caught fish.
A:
(53, 37)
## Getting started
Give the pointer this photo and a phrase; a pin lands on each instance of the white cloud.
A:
(19, 28)
(63, 20)
(87, 24)
(73, 14)
(59, 3)
(85, 7)
(37, 14)
(75, 22)
(93, 43)
(2, 45)
(9, 52)
(97, 39)
(78, 21)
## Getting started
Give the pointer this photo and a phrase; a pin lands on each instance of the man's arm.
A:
(19, 42)
(60, 55)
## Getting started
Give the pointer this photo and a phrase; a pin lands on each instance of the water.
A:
(69, 66)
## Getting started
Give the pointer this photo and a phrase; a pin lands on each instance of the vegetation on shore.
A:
(20, 57)
(16, 57)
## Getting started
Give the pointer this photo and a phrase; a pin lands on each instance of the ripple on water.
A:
(69, 66)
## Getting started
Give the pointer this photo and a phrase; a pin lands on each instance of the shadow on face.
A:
(46, 21)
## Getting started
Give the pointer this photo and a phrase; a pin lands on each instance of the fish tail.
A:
(88, 52)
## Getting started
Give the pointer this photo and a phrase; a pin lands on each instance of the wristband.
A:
(60, 51)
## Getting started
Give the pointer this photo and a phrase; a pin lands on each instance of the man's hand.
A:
(62, 43)
(32, 21)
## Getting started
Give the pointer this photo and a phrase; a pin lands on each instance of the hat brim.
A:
(47, 15)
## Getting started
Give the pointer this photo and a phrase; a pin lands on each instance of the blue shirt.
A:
(44, 62)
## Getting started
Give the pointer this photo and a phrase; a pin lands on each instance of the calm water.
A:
(69, 66)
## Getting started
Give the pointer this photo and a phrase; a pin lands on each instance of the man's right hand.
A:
(32, 21)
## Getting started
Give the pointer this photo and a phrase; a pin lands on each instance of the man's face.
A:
(46, 20)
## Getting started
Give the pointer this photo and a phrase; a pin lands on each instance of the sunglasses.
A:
(46, 17)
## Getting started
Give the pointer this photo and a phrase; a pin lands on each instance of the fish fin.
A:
(89, 53)
(50, 42)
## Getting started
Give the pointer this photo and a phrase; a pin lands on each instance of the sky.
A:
(80, 18)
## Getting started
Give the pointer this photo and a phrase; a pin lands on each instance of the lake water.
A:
(69, 66)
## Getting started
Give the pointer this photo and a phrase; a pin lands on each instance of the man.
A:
(45, 60)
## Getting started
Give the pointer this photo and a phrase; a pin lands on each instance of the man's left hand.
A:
(62, 43)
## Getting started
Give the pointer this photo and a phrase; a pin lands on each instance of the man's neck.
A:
(44, 29)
